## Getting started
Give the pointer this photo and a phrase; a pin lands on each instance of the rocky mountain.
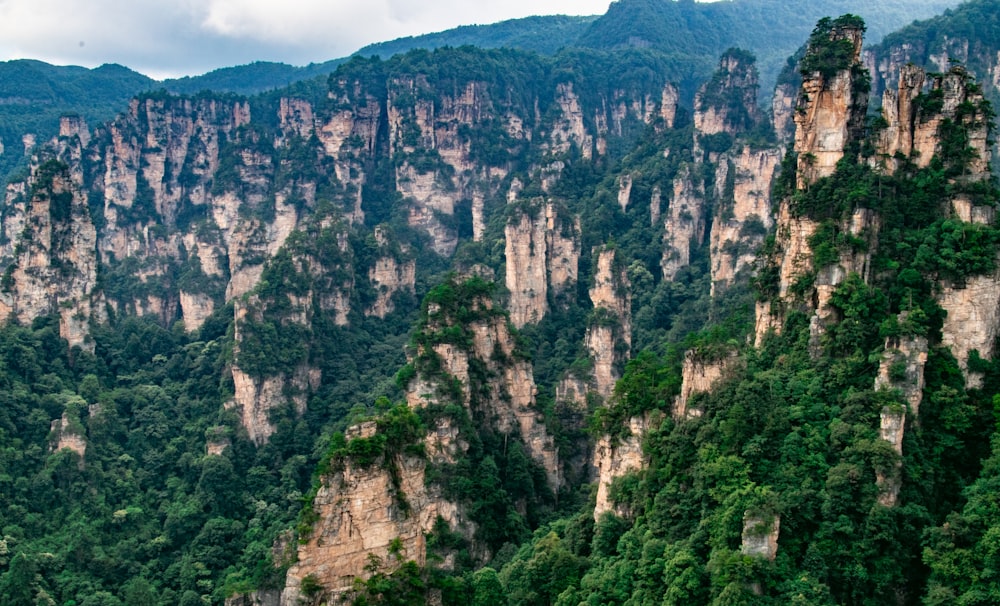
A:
(469, 325)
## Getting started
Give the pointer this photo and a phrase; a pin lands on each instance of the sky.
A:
(171, 38)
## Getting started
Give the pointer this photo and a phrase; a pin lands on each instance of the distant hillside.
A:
(695, 33)
(544, 35)
(34, 94)
(250, 79)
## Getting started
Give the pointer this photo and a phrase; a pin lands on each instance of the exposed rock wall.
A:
(360, 515)
(914, 132)
(972, 321)
(66, 434)
(542, 251)
(49, 256)
(684, 226)
(728, 102)
(614, 458)
(902, 369)
(743, 214)
(829, 114)
(699, 374)
(760, 535)
(507, 401)
(609, 337)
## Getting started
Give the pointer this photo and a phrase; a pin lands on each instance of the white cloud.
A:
(173, 37)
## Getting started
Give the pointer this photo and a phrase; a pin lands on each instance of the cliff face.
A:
(615, 458)
(684, 226)
(495, 383)
(184, 205)
(727, 104)
(361, 513)
(49, 259)
(902, 369)
(699, 374)
(830, 110)
(829, 115)
(542, 250)
(743, 214)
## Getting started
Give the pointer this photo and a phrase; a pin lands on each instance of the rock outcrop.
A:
(542, 259)
(684, 226)
(727, 104)
(699, 374)
(615, 458)
(831, 108)
(363, 512)
(67, 433)
(743, 214)
(760, 535)
(609, 334)
(49, 255)
(829, 115)
(901, 369)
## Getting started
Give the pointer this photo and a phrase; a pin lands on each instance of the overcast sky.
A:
(168, 38)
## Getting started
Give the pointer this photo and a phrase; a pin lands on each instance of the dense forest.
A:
(132, 474)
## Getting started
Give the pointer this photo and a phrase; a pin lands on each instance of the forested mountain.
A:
(33, 95)
(473, 326)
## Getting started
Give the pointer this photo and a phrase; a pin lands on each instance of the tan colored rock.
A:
(902, 368)
(609, 341)
(760, 535)
(569, 130)
(64, 436)
(668, 105)
(616, 458)
(699, 374)
(972, 321)
(685, 223)
(526, 276)
(508, 400)
(736, 78)
(195, 308)
(742, 221)
(624, 191)
(783, 112)
(829, 114)
(360, 514)
(891, 429)
(74, 126)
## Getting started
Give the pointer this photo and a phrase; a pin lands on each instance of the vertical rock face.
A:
(973, 320)
(68, 435)
(728, 102)
(668, 105)
(49, 258)
(609, 336)
(901, 368)
(506, 401)
(760, 535)
(783, 112)
(829, 115)
(743, 213)
(913, 129)
(361, 514)
(542, 252)
(699, 374)
(526, 252)
(389, 276)
(830, 111)
(685, 223)
(614, 458)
